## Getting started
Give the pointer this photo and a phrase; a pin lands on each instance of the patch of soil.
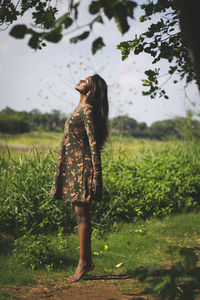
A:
(99, 287)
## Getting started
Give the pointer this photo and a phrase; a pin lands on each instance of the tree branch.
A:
(17, 4)
(81, 26)
(165, 81)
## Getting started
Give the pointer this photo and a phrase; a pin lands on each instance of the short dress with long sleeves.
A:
(79, 161)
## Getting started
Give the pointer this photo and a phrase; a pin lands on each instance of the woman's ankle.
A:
(85, 262)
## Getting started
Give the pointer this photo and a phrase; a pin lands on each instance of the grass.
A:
(32, 138)
(7, 296)
(12, 273)
(153, 244)
(134, 248)
(146, 243)
(43, 141)
(26, 142)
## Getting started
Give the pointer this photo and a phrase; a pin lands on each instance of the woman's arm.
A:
(94, 149)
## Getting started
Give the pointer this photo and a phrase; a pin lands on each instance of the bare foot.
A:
(80, 272)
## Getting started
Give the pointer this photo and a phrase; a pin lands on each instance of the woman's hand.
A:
(97, 189)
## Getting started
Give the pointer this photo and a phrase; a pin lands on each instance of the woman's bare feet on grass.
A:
(81, 270)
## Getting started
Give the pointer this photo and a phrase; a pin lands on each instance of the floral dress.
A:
(79, 161)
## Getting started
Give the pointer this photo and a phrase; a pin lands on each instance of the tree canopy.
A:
(162, 40)
(47, 27)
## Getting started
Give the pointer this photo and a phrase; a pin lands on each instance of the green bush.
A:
(26, 205)
(13, 124)
(156, 183)
(40, 251)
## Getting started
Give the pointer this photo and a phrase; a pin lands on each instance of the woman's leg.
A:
(82, 216)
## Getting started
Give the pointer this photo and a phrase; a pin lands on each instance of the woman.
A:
(78, 177)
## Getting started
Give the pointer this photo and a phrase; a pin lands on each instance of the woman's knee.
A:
(81, 213)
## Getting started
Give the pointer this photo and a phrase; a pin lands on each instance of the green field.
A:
(150, 212)
(43, 141)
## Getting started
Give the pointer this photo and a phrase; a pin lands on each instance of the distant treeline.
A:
(178, 128)
(13, 122)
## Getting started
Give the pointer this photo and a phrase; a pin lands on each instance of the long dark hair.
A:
(99, 100)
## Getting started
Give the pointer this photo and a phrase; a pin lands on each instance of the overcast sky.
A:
(45, 79)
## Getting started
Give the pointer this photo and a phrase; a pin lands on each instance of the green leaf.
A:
(94, 7)
(97, 45)
(18, 31)
(50, 18)
(130, 7)
(124, 48)
(64, 19)
(172, 69)
(33, 41)
(138, 49)
(142, 19)
(108, 10)
(122, 24)
(146, 82)
(54, 36)
(80, 37)
(99, 19)
(120, 16)
(121, 12)
(68, 22)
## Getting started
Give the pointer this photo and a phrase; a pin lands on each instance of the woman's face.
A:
(83, 86)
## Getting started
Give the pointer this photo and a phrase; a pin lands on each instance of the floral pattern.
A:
(79, 160)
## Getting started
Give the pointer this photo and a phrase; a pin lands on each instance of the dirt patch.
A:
(91, 288)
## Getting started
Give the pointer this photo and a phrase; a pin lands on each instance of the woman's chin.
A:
(77, 88)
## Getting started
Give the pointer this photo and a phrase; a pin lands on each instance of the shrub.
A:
(40, 251)
(156, 183)
(26, 205)
(13, 124)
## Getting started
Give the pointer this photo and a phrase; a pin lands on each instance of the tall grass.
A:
(50, 140)
(153, 182)
(26, 205)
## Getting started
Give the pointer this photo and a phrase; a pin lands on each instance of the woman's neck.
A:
(83, 99)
